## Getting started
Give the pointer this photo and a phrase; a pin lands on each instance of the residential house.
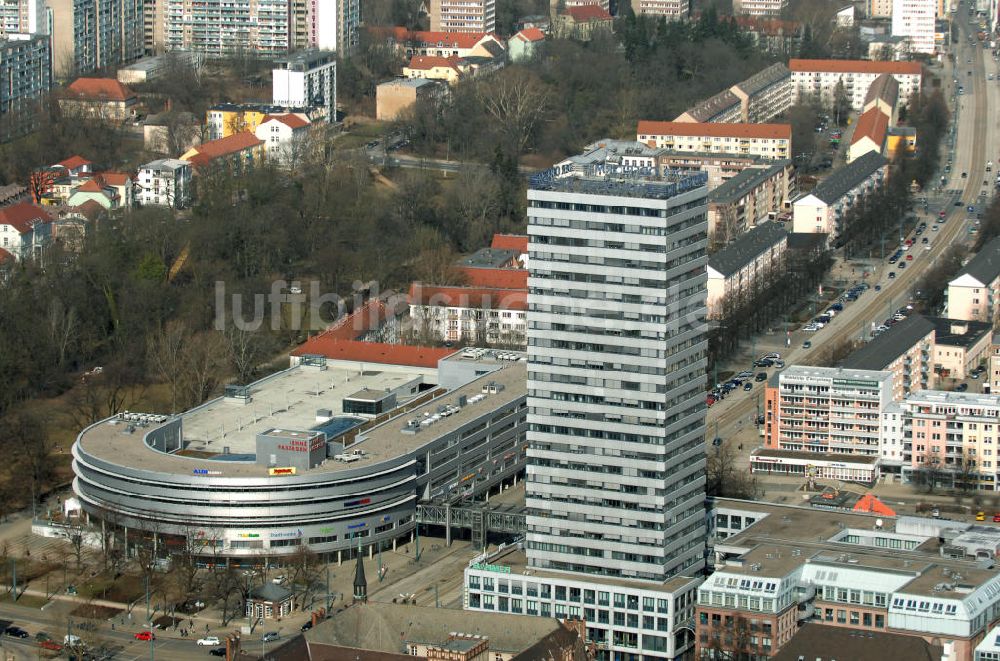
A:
(443, 44)
(75, 166)
(870, 134)
(99, 98)
(470, 315)
(395, 97)
(767, 140)
(906, 350)
(171, 131)
(960, 346)
(974, 291)
(435, 67)
(581, 21)
(96, 189)
(25, 229)
(772, 35)
(738, 271)
(751, 197)
(285, 138)
(164, 182)
(821, 210)
(525, 44)
(226, 119)
(237, 151)
(883, 94)
(818, 79)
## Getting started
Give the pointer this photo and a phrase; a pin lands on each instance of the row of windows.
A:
(572, 595)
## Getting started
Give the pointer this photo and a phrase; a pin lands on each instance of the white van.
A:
(69, 640)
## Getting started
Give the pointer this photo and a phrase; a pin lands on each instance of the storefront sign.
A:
(205, 471)
(287, 534)
(248, 535)
(281, 471)
(482, 566)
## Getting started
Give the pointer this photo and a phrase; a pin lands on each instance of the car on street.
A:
(50, 645)
(217, 651)
(810, 328)
(909, 258)
(716, 441)
(807, 344)
(926, 239)
(892, 274)
(209, 641)
(980, 516)
(748, 386)
(941, 214)
(269, 636)
(15, 632)
(761, 376)
(996, 517)
(902, 265)
(307, 626)
(745, 374)
(970, 208)
(146, 635)
(962, 387)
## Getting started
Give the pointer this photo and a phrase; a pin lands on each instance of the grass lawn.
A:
(26, 600)
(359, 135)
(91, 612)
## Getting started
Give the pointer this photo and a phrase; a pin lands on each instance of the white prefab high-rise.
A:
(617, 357)
(914, 20)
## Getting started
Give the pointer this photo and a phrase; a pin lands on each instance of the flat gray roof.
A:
(887, 347)
(747, 247)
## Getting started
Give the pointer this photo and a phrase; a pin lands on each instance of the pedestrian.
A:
(206, 628)
(112, 626)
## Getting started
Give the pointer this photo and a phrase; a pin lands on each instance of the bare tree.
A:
(517, 101)
(64, 325)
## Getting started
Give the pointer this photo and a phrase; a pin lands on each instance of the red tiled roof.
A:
(23, 216)
(517, 242)
(428, 62)
(855, 66)
(775, 131)
(588, 13)
(5, 256)
(368, 317)
(873, 124)
(91, 209)
(530, 34)
(463, 40)
(290, 120)
(116, 178)
(372, 352)
(74, 162)
(496, 278)
(102, 89)
(95, 185)
(232, 144)
(469, 297)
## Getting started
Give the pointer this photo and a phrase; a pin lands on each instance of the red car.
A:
(996, 518)
(941, 214)
(145, 635)
(50, 645)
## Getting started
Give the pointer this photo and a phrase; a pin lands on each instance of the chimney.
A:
(959, 327)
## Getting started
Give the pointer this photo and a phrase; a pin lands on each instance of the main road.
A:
(975, 132)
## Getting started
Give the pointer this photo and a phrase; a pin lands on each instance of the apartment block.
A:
(478, 316)
(821, 210)
(307, 79)
(878, 8)
(906, 350)
(26, 69)
(766, 140)
(974, 292)
(463, 15)
(723, 107)
(818, 79)
(779, 567)
(773, 35)
(760, 8)
(165, 182)
(747, 199)
(22, 17)
(670, 9)
(750, 262)
(88, 35)
(219, 29)
(393, 98)
(756, 100)
(950, 438)
(816, 417)
(914, 21)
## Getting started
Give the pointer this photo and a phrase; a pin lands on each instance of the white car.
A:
(810, 328)
(209, 641)
(772, 356)
(927, 246)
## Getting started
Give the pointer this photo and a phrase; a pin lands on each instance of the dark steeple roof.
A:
(360, 583)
